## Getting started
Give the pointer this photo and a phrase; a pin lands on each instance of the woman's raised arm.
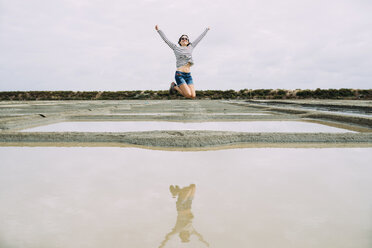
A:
(162, 35)
(195, 42)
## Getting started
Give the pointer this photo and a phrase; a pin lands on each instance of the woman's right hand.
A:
(156, 27)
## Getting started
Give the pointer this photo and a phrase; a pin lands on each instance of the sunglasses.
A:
(184, 38)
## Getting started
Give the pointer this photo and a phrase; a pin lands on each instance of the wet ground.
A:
(163, 132)
(87, 174)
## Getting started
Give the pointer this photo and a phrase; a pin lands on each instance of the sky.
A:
(88, 45)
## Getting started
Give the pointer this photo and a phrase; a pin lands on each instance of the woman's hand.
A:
(156, 27)
(209, 28)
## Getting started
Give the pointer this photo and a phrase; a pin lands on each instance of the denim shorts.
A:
(183, 78)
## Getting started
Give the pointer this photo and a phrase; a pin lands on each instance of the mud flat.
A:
(18, 116)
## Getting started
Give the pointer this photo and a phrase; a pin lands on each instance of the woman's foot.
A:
(172, 90)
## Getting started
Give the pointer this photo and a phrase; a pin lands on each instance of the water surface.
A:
(239, 126)
(128, 197)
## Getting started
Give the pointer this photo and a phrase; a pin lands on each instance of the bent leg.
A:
(178, 89)
(192, 90)
(184, 90)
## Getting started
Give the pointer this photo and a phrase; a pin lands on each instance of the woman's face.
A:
(184, 40)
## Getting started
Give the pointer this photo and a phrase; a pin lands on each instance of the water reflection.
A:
(237, 126)
(183, 226)
(56, 197)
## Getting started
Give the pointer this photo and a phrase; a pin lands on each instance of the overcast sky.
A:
(113, 45)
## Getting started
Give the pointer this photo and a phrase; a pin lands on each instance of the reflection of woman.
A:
(184, 218)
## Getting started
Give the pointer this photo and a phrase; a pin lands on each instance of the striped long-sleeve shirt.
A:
(183, 53)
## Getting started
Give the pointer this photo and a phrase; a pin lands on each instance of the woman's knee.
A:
(185, 90)
(192, 91)
(187, 94)
(190, 94)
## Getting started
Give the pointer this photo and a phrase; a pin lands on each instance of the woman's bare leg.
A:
(185, 90)
(178, 89)
(192, 90)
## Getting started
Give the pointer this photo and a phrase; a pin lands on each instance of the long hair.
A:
(179, 40)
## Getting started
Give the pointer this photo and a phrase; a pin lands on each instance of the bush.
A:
(200, 94)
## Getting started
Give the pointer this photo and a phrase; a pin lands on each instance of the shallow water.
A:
(120, 197)
(334, 109)
(142, 114)
(255, 113)
(188, 113)
(344, 113)
(239, 126)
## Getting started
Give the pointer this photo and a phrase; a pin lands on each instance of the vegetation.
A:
(353, 94)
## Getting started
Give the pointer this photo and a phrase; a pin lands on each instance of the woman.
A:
(185, 85)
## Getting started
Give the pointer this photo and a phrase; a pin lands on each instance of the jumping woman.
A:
(185, 85)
